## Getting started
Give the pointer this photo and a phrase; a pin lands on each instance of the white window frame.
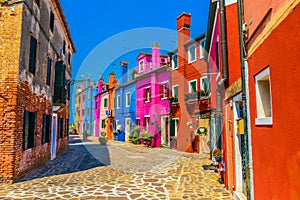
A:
(201, 49)
(189, 53)
(147, 125)
(190, 89)
(164, 82)
(173, 90)
(261, 117)
(147, 101)
(201, 79)
(176, 129)
(173, 65)
(116, 123)
(128, 103)
(118, 101)
(142, 61)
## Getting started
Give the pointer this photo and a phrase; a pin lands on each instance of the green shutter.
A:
(172, 128)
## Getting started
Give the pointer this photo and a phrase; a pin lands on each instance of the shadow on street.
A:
(78, 157)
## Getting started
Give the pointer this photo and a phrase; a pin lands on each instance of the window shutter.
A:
(25, 129)
(172, 128)
(167, 90)
(32, 54)
(161, 91)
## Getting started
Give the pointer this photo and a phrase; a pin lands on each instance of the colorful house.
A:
(226, 96)
(103, 106)
(152, 92)
(88, 122)
(125, 103)
(190, 92)
(97, 103)
(272, 61)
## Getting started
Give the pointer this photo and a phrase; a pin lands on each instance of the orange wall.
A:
(276, 152)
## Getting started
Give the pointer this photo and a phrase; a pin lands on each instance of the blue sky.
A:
(94, 21)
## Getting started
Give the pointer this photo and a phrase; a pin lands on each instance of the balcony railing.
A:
(199, 95)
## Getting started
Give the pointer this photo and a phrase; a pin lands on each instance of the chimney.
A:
(100, 82)
(112, 79)
(183, 28)
(124, 67)
(155, 55)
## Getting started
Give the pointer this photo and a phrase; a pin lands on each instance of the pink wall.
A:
(97, 111)
(157, 106)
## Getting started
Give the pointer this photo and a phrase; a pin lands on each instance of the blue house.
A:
(88, 120)
(125, 104)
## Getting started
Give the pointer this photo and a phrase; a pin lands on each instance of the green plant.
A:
(103, 136)
(86, 133)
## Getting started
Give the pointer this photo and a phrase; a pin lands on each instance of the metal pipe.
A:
(247, 143)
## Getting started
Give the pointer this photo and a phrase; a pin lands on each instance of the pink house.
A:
(152, 92)
(97, 108)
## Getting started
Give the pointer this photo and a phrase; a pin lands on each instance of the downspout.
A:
(245, 97)
(223, 81)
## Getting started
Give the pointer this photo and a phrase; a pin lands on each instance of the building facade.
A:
(152, 92)
(34, 93)
(125, 104)
(272, 44)
(190, 92)
(97, 105)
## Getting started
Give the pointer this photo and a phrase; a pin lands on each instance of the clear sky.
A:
(94, 21)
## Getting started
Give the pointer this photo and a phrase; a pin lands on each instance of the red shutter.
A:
(167, 90)
(161, 91)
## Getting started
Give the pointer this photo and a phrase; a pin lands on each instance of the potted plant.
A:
(85, 135)
(103, 138)
(202, 131)
(134, 135)
(217, 154)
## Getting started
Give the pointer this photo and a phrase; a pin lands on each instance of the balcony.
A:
(199, 95)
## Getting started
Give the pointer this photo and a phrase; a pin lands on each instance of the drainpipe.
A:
(223, 81)
(245, 97)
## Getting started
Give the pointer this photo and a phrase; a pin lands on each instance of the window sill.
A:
(191, 61)
(147, 101)
(174, 68)
(264, 121)
(164, 98)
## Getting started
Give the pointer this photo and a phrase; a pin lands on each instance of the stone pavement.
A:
(119, 171)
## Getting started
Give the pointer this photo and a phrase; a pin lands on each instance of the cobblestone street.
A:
(119, 171)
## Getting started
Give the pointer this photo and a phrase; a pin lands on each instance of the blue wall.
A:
(125, 112)
(89, 119)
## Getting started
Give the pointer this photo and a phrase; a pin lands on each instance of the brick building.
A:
(35, 50)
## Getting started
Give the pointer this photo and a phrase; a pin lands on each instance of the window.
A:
(175, 93)
(192, 53)
(83, 112)
(64, 47)
(48, 79)
(96, 105)
(29, 124)
(204, 86)
(103, 123)
(89, 95)
(164, 90)
(83, 98)
(128, 99)
(174, 127)
(67, 128)
(202, 48)
(193, 86)
(32, 54)
(116, 124)
(150, 62)
(141, 67)
(89, 110)
(46, 128)
(105, 102)
(263, 98)
(118, 101)
(146, 122)
(217, 57)
(137, 122)
(175, 62)
(60, 127)
(69, 58)
(51, 21)
(147, 94)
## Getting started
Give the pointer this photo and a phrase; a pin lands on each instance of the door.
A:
(53, 138)
(164, 130)
(127, 128)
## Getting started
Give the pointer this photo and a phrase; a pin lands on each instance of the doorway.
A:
(53, 138)
(164, 130)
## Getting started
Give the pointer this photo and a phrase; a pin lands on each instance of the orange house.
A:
(189, 88)
(274, 88)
